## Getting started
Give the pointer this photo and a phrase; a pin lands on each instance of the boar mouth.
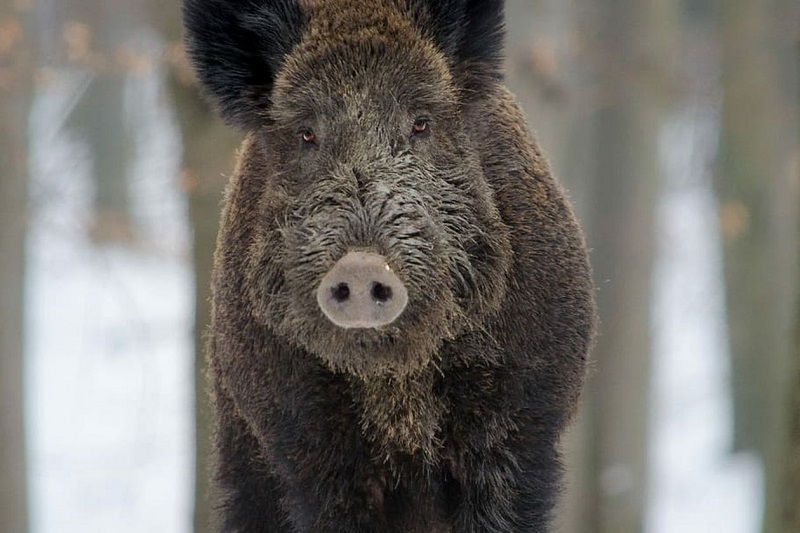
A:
(375, 339)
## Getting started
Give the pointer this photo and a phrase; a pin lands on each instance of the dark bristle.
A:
(471, 33)
(237, 48)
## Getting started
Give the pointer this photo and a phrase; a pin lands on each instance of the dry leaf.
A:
(734, 220)
(10, 34)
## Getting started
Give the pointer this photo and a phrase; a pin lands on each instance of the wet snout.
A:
(361, 291)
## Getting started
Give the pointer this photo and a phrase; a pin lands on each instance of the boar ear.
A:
(237, 48)
(470, 33)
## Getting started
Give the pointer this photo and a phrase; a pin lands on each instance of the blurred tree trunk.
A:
(16, 93)
(791, 499)
(208, 156)
(791, 489)
(757, 215)
(629, 42)
(97, 35)
(546, 71)
(595, 81)
(209, 150)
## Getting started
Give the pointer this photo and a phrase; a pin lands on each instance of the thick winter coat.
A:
(402, 298)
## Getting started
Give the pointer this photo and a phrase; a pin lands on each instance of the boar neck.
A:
(401, 415)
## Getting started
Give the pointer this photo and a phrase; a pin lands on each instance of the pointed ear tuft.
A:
(237, 48)
(469, 32)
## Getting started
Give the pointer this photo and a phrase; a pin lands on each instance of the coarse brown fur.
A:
(448, 419)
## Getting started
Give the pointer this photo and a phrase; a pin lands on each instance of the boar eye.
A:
(308, 136)
(421, 127)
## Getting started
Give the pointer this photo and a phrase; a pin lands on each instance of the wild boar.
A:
(402, 302)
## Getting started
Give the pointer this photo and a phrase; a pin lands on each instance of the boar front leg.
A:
(310, 442)
(501, 492)
(249, 494)
(331, 485)
(502, 454)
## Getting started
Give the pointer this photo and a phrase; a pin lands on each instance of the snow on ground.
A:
(697, 486)
(109, 375)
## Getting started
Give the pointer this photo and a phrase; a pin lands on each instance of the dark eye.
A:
(308, 136)
(421, 126)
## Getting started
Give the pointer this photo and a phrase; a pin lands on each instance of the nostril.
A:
(382, 293)
(341, 292)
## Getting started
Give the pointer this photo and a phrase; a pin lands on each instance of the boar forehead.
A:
(349, 61)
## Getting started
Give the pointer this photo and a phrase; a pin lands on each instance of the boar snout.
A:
(361, 291)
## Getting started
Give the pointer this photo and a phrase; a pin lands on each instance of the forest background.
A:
(673, 124)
